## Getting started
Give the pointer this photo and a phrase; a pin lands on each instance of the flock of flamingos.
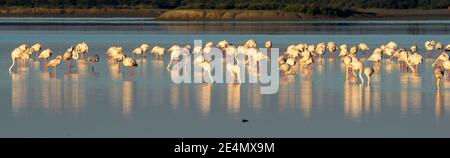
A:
(297, 56)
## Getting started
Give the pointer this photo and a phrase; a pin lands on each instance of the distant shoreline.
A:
(79, 12)
(223, 15)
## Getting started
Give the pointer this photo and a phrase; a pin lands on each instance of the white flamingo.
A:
(67, 56)
(204, 64)
(82, 48)
(15, 54)
(439, 74)
(320, 50)
(158, 51)
(343, 50)
(363, 48)
(404, 57)
(331, 46)
(144, 47)
(368, 71)
(36, 48)
(376, 58)
(45, 54)
(177, 52)
(438, 46)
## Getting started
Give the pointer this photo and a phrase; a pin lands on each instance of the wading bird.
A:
(15, 54)
(67, 57)
(129, 62)
(54, 63)
(82, 48)
(93, 59)
(35, 49)
(158, 51)
(368, 71)
(439, 73)
(45, 54)
(363, 48)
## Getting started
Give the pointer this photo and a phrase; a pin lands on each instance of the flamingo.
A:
(208, 48)
(118, 58)
(138, 51)
(391, 45)
(415, 59)
(376, 58)
(232, 51)
(440, 59)
(255, 57)
(285, 66)
(291, 61)
(93, 59)
(357, 65)
(45, 54)
(158, 51)
(306, 60)
(25, 55)
(15, 54)
(404, 57)
(197, 50)
(320, 50)
(177, 52)
(442, 62)
(429, 46)
(144, 47)
(54, 63)
(82, 48)
(299, 47)
(204, 64)
(438, 46)
(36, 48)
(439, 73)
(114, 51)
(235, 69)
(23, 47)
(363, 48)
(353, 51)
(343, 50)
(68, 56)
(347, 62)
(331, 46)
(250, 43)
(129, 62)
(293, 51)
(389, 51)
(223, 44)
(368, 71)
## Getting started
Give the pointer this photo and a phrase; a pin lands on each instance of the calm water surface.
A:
(108, 103)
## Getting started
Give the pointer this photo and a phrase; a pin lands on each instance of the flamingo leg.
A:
(131, 72)
(346, 72)
(438, 83)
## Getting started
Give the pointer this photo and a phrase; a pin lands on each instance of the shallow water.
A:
(108, 103)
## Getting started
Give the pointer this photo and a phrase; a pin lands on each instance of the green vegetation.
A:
(311, 7)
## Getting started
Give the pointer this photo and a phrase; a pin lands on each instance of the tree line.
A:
(322, 7)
